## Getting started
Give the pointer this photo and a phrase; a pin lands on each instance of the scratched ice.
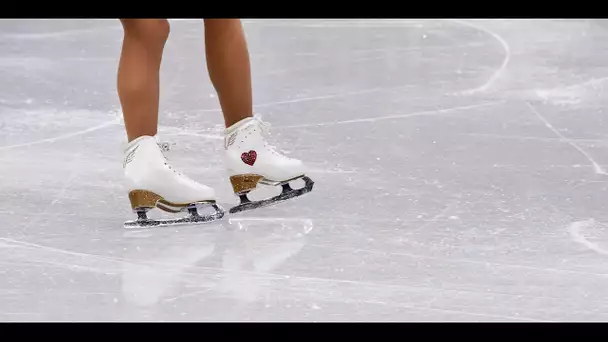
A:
(460, 172)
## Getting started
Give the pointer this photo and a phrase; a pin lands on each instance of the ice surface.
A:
(459, 166)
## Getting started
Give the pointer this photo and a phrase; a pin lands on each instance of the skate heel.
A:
(143, 199)
(244, 183)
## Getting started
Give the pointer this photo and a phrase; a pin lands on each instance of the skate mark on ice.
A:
(359, 51)
(58, 34)
(456, 260)
(571, 94)
(339, 23)
(165, 130)
(596, 167)
(116, 263)
(71, 179)
(585, 183)
(575, 230)
(352, 291)
(11, 243)
(440, 215)
(533, 138)
(306, 224)
(186, 295)
(320, 97)
(297, 282)
(451, 311)
(367, 290)
(398, 116)
(498, 73)
(361, 289)
(314, 170)
(65, 136)
(331, 96)
(56, 198)
(320, 65)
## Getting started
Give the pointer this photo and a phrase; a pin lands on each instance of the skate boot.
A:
(252, 161)
(153, 183)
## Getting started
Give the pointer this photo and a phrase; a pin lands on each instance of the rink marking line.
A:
(577, 236)
(65, 136)
(596, 167)
(498, 73)
(398, 116)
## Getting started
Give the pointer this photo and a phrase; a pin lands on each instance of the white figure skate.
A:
(153, 183)
(250, 161)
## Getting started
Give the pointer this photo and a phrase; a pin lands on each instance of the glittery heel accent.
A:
(143, 199)
(244, 183)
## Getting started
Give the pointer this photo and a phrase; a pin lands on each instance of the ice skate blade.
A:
(192, 219)
(285, 195)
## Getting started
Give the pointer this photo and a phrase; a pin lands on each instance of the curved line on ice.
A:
(500, 69)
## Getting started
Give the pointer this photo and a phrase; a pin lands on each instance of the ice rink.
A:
(460, 172)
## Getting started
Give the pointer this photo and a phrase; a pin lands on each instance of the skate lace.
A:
(166, 147)
(265, 128)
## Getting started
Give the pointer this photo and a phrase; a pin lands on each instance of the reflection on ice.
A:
(233, 260)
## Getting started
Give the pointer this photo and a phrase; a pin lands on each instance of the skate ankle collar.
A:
(238, 125)
(138, 140)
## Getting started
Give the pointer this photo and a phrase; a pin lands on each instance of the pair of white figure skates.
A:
(250, 161)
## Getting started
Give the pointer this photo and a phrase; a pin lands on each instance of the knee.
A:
(150, 31)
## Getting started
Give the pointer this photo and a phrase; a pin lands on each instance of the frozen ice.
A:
(459, 167)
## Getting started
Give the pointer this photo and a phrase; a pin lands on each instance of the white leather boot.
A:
(153, 182)
(251, 161)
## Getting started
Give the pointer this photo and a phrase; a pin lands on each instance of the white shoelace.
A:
(266, 127)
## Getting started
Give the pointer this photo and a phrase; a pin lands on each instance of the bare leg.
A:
(138, 74)
(229, 69)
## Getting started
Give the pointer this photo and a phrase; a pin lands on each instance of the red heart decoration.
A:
(249, 157)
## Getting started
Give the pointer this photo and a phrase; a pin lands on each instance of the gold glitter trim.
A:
(246, 182)
(148, 199)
